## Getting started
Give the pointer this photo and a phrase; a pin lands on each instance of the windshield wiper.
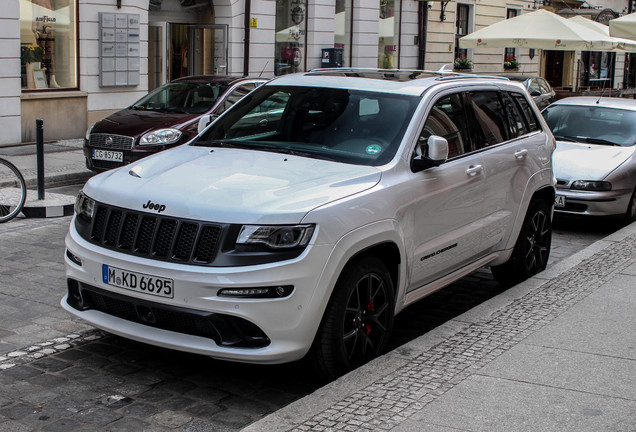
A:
(600, 141)
(568, 138)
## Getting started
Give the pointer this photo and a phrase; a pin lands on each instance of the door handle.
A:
(521, 154)
(473, 170)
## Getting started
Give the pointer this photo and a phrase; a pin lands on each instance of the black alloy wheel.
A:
(532, 249)
(358, 319)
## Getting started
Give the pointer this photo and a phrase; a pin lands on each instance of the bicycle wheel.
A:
(12, 191)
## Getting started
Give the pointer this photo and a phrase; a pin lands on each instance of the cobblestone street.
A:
(57, 374)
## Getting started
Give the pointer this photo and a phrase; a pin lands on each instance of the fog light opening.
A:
(260, 292)
(74, 258)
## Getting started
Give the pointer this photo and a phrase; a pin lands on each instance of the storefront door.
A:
(157, 54)
(176, 50)
(208, 45)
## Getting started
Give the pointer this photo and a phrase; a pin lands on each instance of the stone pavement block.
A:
(141, 410)
(98, 416)
(171, 419)
(229, 418)
(483, 403)
(13, 426)
(130, 424)
(600, 324)
(62, 425)
(566, 369)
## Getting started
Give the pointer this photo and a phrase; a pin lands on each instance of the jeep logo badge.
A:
(152, 206)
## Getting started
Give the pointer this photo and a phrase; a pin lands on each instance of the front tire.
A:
(358, 320)
(532, 249)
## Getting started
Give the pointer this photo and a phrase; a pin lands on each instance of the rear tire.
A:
(630, 215)
(358, 320)
(532, 249)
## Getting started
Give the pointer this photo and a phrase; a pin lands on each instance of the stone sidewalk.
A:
(555, 353)
(63, 165)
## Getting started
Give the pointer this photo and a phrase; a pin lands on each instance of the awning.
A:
(540, 29)
(624, 27)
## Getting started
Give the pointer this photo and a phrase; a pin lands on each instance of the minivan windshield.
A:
(350, 126)
(181, 97)
(592, 124)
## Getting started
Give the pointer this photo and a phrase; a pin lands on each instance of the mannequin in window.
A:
(44, 30)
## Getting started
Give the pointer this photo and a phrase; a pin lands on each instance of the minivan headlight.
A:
(161, 136)
(588, 185)
(275, 236)
(84, 205)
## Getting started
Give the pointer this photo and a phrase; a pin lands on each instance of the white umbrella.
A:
(623, 45)
(624, 27)
(539, 29)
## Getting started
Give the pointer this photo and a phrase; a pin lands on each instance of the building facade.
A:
(71, 62)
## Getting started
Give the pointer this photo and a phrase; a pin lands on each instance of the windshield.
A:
(191, 98)
(592, 124)
(349, 126)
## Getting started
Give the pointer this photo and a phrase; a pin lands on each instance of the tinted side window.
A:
(491, 125)
(448, 119)
(235, 96)
(517, 124)
(524, 106)
(535, 86)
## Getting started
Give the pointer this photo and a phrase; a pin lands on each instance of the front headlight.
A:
(275, 236)
(161, 136)
(84, 205)
(588, 185)
(88, 132)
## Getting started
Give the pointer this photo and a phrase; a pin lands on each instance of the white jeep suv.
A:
(310, 213)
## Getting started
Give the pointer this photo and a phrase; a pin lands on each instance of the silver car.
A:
(595, 158)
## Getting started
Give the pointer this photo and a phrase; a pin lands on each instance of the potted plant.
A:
(31, 56)
(463, 63)
(511, 63)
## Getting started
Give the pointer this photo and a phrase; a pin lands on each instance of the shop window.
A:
(48, 44)
(342, 34)
(291, 36)
(388, 34)
(598, 69)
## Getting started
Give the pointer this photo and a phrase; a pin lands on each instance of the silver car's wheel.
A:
(630, 215)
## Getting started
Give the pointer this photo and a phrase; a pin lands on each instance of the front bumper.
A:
(587, 203)
(285, 326)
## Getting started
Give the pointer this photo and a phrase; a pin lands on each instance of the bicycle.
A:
(13, 191)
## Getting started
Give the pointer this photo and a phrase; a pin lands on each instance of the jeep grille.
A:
(153, 236)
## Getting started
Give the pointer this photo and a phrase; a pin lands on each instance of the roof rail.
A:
(398, 74)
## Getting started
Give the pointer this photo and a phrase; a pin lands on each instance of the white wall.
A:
(10, 85)
(109, 98)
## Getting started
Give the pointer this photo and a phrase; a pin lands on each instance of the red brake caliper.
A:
(370, 308)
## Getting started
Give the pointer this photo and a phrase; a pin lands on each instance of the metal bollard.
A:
(39, 136)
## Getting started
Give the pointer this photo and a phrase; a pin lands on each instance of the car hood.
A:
(230, 185)
(579, 161)
(135, 123)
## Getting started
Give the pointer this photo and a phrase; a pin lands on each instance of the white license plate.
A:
(559, 201)
(107, 155)
(139, 282)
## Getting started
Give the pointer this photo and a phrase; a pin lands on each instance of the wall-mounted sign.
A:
(118, 49)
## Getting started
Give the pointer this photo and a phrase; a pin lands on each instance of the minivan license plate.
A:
(107, 155)
(139, 282)
(559, 201)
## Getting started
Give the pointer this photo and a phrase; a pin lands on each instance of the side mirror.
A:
(535, 93)
(433, 153)
(205, 121)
